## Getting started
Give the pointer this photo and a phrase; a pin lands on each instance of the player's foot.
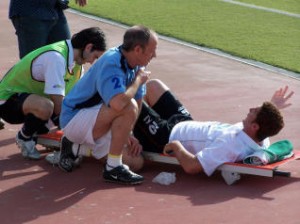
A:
(53, 158)
(28, 148)
(123, 175)
(68, 160)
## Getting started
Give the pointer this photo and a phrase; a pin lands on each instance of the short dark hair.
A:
(136, 35)
(92, 35)
(270, 121)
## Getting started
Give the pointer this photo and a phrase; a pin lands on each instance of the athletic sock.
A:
(113, 161)
(32, 124)
(23, 137)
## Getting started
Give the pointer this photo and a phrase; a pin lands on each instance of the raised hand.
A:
(134, 146)
(280, 97)
(81, 2)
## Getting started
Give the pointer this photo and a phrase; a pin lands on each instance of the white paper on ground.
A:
(165, 178)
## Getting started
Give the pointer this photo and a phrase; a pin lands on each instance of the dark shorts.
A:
(12, 110)
(154, 124)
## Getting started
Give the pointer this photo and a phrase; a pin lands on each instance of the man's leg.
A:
(78, 139)
(151, 130)
(155, 89)
(106, 132)
(28, 109)
(31, 33)
(121, 125)
(161, 99)
(158, 116)
(60, 30)
(37, 111)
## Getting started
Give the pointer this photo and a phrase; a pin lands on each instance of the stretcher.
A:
(231, 172)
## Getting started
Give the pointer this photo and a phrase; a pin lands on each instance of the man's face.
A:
(90, 56)
(251, 117)
(149, 52)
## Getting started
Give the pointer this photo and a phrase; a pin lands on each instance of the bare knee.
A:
(155, 89)
(45, 110)
(38, 106)
(131, 111)
(156, 85)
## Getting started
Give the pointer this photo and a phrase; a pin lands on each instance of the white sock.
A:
(113, 161)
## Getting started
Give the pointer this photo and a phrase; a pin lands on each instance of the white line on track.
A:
(262, 8)
(208, 50)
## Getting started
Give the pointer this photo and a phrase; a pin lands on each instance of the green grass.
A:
(245, 32)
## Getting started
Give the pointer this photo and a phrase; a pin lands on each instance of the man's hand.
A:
(171, 148)
(81, 2)
(280, 98)
(187, 160)
(134, 147)
(143, 75)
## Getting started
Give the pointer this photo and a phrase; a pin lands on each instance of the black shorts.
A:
(154, 125)
(12, 110)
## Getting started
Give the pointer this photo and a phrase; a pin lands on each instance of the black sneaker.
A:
(67, 160)
(123, 175)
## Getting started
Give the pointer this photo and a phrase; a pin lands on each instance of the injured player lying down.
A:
(165, 126)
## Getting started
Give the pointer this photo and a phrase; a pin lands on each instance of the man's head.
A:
(264, 121)
(90, 43)
(139, 45)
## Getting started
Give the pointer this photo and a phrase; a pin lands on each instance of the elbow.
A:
(191, 170)
(193, 167)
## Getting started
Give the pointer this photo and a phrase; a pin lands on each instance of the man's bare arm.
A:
(188, 161)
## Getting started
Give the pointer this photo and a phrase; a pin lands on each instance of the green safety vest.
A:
(19, 78)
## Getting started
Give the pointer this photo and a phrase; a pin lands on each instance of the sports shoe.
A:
(53, 158)
(123, 175)
(68, 160)
(28, 148)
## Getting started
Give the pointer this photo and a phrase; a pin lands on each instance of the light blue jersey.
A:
(108, 76)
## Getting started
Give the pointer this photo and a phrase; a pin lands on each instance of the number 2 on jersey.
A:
(116, 81)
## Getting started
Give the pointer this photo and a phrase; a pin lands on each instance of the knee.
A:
(155, 89)
(132, 109)
(156, 86)
(45, 109)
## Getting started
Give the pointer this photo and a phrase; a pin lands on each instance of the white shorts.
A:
(80, 130)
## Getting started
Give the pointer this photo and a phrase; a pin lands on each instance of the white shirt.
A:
(215, 143)
(50, 67)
